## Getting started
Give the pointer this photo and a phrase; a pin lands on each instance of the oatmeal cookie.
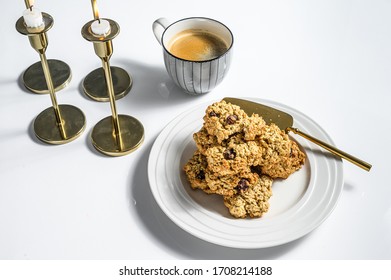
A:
(285, 165)
(204, 140)
(200, 177)
(281, 156)
(253, 127)
(223, 119)
(230, 184)
(196, 169)
(250, 201)
(233, 158)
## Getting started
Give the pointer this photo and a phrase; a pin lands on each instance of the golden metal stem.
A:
(49, 82)
(104, 50)
(360, 163)
(110, 90)
(40, 42)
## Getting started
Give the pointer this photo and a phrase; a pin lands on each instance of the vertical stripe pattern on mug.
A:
(197, 77)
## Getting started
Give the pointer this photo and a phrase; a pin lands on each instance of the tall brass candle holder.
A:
(94, 85)
(58, 124)
(33, 76)
(115, 135)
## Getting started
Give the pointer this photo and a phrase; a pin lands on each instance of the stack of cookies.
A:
(238, 156)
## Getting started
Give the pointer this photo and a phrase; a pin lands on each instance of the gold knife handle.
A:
(364, 165)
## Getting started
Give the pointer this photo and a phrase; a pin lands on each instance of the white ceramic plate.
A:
(299, 204)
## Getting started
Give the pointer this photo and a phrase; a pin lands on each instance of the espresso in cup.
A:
(197, 52)
(197, 45)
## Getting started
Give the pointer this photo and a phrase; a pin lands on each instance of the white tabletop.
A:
(330, 60)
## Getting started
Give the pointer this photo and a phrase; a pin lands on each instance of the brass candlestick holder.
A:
(94, 85)
(34, 78)
(115, 135)
(58, 124)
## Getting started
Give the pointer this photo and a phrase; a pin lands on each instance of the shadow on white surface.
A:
(348, 187)
(182, 243)
(21, 85)
(152, 86)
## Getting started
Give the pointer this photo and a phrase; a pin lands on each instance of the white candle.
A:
(100, 27)
(33, 18)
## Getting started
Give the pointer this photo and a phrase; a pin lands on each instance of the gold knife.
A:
(285, 122)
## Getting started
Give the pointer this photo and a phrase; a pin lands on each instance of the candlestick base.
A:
(34, 78)
(47, 129)
(94, 84)
(104, 139)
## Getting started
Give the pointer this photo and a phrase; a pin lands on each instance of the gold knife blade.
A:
(271, 115)
(285, 121)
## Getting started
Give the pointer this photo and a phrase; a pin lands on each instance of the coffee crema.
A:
(197, 45)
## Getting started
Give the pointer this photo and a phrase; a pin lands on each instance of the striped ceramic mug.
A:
(193, 60)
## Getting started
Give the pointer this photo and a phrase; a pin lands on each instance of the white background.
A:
(329, 59)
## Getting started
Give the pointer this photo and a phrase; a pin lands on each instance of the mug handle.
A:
(158, 28)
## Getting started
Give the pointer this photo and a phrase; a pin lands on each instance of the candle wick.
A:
(31, 8)
(99, 20)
